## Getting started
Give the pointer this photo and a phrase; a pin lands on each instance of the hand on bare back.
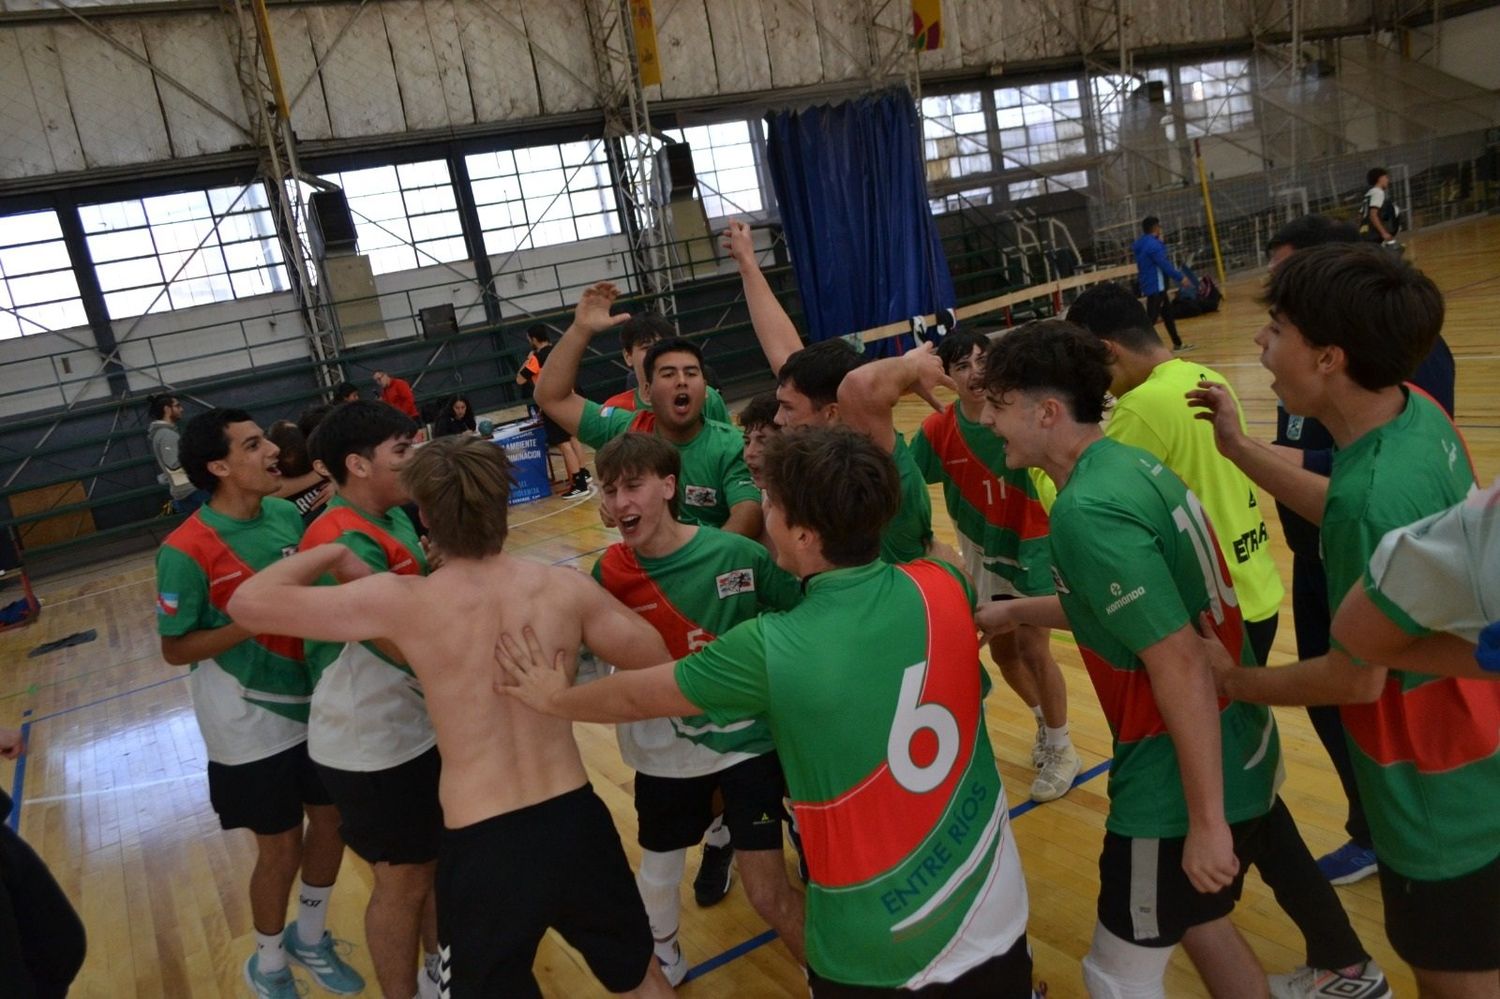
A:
(1215, 404)
(593, 315)
(527, 673)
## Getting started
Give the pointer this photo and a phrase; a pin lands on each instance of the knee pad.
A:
(1118, 969)
(658, 882)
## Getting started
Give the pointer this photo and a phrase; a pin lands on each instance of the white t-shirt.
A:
(1442, 573)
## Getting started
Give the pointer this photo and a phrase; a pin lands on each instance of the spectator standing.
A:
(166, 411)
(397, 392)
(1154, 267)
(1377, 214)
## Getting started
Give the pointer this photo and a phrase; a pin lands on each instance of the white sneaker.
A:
(1039, 744)
(675, 970)
(1059, 766)
(1365, 981)
(428, 986)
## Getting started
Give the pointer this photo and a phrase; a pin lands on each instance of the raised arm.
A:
(283, 598)
(869, 393)
(557, 385)
(1276, 469)
(773, 327)
(1184, 695)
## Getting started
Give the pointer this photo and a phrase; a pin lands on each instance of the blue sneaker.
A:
(322, 959)
(1348, 864)
(275, 985)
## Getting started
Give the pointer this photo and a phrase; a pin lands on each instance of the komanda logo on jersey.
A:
(1128, 598)
(735, 581)
(166, 603)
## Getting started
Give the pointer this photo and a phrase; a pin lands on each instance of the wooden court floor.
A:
(112, 792)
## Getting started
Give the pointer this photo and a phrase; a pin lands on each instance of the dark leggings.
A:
(1289, 870)
(41, 937)
(1311, 618)
(1156, 305)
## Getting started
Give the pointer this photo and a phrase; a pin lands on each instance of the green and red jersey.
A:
(368, 712)
(996, 511)
(1136, 560)
(632, 399)
(906, 537)
(251, 700)
(714, 477)
(872, 687)
(691, 597)
(1427, 752)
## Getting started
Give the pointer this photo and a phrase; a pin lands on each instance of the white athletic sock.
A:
(270, 957)
(1057, 738)
(1036, 711)
(718, 833)
(658, 882)
(431, 963)
(312, 912)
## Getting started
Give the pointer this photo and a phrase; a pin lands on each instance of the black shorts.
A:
(1451, 925)
(672, 813)
(555, 432)
(1005, 977)
(390, 816)
(1145, 896)
(266, 796)
(502, 882)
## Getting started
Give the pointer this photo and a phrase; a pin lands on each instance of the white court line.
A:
(554, 513)
(111, 790)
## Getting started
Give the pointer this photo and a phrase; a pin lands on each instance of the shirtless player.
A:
(527, 844)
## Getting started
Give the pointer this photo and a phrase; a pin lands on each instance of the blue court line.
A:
(111, 697)
(740, 950)
(18, 784)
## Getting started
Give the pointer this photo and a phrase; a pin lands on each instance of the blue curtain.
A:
(850, 179)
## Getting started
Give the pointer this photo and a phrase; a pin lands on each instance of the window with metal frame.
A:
(543, 195)
(173, 251)
(38, 289)
(405, 214)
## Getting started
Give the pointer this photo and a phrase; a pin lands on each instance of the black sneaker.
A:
(714, 875)
(580, 487)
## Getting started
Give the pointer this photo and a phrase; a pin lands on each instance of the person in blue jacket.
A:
(1154, 268)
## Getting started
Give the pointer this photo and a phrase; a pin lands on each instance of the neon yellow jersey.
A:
(1155, 417)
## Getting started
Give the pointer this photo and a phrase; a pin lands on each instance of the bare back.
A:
(498, 755)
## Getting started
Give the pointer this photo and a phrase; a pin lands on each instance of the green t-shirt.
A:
(1425, 752)
(633, 399)
(1136, 561)
(1155, 417)
(368, 711)
(872, 687)
(386, 543)
(906, 537)
(691, 597)
(714, 477)
(996, 511)
(251, 699)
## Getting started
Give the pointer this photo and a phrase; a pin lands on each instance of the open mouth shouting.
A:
(682, 404)
(629, 524)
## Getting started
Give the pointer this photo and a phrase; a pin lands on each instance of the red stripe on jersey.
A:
(1441, 725)
(225, 572)
(622, 400)
(1000, 503)
(339, 520)
(623, 576)
(1126, 697)
(876, 825)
